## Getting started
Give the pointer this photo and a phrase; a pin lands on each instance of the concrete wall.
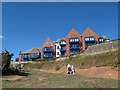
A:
(101, 47)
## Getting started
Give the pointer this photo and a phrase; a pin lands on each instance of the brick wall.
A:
(72, 34)
(48, 43)
(88, 33)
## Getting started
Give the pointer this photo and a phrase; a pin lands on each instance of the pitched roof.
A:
(101, 36)
(73, 33)
(89, 32)
(48, 43)
(60, 39)
(29, 51)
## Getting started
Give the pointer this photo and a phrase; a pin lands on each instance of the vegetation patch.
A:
(57, 67)
(81, 61)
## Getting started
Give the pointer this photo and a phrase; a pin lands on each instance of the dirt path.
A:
(101, 72)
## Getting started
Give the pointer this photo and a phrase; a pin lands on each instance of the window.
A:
(57, 47)
(73, 40)
(57, 53)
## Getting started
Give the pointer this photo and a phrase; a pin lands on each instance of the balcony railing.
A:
(102, 40)
(63, 54)
(74, 46)
(49, 49)
(88, 44)
(34, 55)
(74, 40)
(25, 56)
(74, 51)
(62, 43)
(63, 49)
(89, 39)
(48, 55)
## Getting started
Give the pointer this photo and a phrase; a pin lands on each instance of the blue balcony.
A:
(48, 55)
(74, 40)
(34, 55)
(101, 40)
(74, 51)
(89, 39)
(75, 46)
(63, 49)
(62, 43)
(88, 44)
(63, 54)
(48, 49)
(25, 56)
(22, 56)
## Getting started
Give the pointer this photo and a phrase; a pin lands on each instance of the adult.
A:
(68, 68)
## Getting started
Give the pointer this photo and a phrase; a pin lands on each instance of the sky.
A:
(27, 25)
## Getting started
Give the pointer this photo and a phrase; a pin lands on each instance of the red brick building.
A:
(48, 49)
(89, 37)
(73, 43)
(73, 39)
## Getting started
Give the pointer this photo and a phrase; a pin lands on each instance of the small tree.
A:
(5, 58)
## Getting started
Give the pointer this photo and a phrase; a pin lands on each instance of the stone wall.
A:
(101, 47)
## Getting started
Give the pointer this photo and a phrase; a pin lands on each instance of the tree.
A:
(5, 58)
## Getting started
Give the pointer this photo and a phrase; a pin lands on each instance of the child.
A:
(73, 70)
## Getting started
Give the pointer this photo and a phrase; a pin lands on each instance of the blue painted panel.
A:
(62, 43)
(88, 44)
(47, 55)
(48, 49)
(102, 40)
(74, 40)
(74, 51)
(63, 48)
(25, 56)
(21, 56)
(34, 55)
(88, 39)
(74, 46)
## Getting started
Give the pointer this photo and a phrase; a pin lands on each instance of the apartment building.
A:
(73, 43)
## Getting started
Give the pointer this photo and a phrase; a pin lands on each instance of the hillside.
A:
(109, 58)
(102, 47)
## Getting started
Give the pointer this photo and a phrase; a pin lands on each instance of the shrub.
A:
(5, 58)
(82, 63)
(56, 67)
(115, 63)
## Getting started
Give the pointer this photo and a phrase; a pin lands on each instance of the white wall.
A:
(58, 50)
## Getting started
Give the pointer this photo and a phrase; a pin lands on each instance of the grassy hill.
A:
(82, 61)
(35, 78)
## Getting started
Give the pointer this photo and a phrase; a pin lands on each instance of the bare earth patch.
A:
(101, 72)
(14, 78)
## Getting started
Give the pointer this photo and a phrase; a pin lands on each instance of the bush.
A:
(82, 63)
(38, 60)
(56, 67)
(5, 58)
(115, 63)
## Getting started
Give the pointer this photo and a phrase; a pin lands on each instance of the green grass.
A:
(102, 59)
(38, 79)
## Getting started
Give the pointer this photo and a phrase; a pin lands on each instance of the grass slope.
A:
(38, 79)
(82, 61)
